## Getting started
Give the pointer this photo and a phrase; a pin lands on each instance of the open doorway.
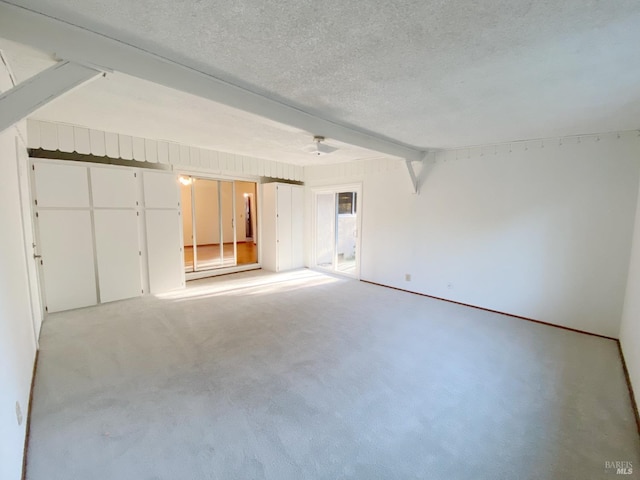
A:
(214, 225)
(336, 226)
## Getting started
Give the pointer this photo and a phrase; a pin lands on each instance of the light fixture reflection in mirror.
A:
(185, 180)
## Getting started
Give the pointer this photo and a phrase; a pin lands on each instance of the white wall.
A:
(630, 328)
(542, 231)
(77, 138)
(17, 341)
(17, 338)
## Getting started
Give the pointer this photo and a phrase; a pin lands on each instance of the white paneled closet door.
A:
(92, 227)
(114, 187)
(282, 226)
(66, 246)
(284, 210)
(163, 231)
(297, 227)
(160, 190)
(61, 186)
(268, 228)
(118, 254)
(114, 193)
(63, 221)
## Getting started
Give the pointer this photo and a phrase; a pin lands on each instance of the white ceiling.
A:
(120, 103)
(431, 74)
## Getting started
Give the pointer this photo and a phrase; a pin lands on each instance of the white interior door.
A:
(284, 211)
(297, 227)
(29, 239)
(67, 259)
(166, 271)
(163, 231)
(268, 228)
(61, 186)
(160, 190)
(114, 187)
(65, 235)
(118, 254)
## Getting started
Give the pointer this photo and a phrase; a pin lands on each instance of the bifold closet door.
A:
(297, 227)
(61, 186)
(118, 254)
(66, 244)
(113, 187)
(65, 235)
(115, 198)
(284, 211)
(163, 231)
(165, 258)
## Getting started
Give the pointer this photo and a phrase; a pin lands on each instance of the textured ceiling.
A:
(123, 104)
(427, 73)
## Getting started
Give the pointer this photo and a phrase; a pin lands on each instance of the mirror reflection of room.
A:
(247, 223)
(219, 223)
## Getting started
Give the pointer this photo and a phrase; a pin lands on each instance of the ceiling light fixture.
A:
(185, 180)
(321, 148)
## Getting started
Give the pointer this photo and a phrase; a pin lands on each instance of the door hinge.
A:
(36, 201)
(135, 174)
(137, 214)
(136, 203)
(142, 291)
(140, 253)
(46, 309)
(41, 262)
(37, 215)
(33, 167)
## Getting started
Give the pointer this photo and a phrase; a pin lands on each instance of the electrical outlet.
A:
(19, 413)
(407, 277)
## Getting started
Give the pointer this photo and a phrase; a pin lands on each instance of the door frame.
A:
(221, 228)
(197, 274)
(29, 230)
(335, 189)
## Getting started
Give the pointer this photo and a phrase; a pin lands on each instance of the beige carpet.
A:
(307, 376)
